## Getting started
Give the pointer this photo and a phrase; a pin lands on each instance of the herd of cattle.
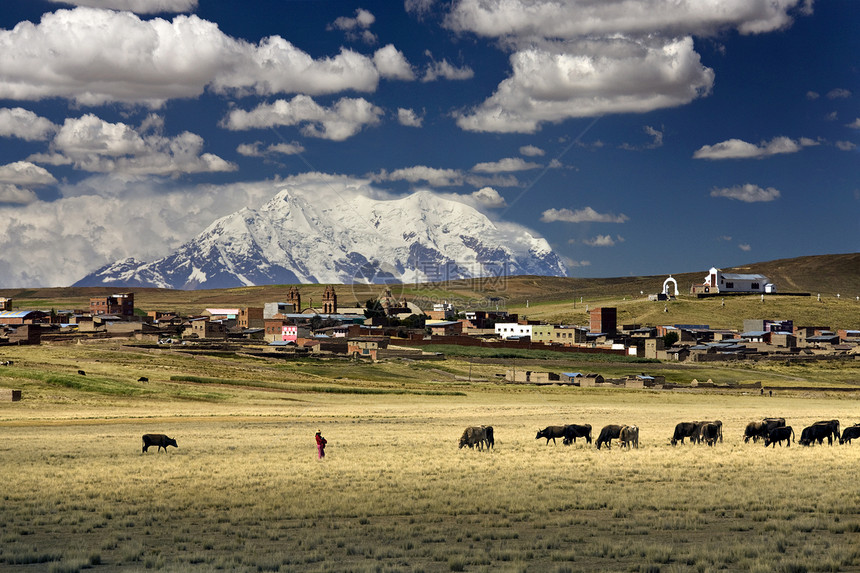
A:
(771, 430)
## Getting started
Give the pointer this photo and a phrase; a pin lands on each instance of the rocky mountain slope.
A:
(296, 238)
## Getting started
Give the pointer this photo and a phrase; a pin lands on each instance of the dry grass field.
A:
(245, 492)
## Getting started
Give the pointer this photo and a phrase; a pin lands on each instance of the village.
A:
(388, 327)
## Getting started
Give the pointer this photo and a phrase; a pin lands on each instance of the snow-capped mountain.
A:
(301, 237)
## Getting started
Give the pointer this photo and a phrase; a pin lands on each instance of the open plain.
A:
(245, 492)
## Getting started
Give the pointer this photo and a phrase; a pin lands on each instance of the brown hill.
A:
(825, 274)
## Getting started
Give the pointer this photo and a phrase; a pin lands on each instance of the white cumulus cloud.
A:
(584, 215)
(431, 175)
(748, 193)
(489, 197)
(25, 173)
(556, 81)
(601, 241)
(358, 27)
(446, 71)
(392, 64)
(582, 58)
(576, 18)
(24, 124)
(345, 118)
(256, 149)
(14, 194)
(94, 56)
(138, 6)
(740, 149)
(506, 165)
(409, 118)
(531, 151)
(90, 143)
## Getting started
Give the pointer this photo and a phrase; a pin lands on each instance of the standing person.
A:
(321, 442)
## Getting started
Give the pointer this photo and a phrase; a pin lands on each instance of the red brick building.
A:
(121, 304)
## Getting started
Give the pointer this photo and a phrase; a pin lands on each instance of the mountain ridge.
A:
(294, 238)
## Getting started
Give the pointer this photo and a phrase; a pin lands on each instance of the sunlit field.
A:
(244, 490)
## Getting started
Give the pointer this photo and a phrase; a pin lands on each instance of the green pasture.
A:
(245, 492)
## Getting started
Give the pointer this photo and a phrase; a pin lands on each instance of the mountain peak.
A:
(342, 236)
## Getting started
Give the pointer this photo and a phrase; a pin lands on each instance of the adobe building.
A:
(121, 304)
(603, 320)
(26, 334)
(251, 317)
(5, 303)
(205, 328)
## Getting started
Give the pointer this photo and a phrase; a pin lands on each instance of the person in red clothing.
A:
(321, 442)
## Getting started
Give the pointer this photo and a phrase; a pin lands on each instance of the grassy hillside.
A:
(554, 299)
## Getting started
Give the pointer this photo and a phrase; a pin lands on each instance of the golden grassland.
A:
(244, 490)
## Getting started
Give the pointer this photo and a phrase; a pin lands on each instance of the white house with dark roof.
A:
(717, 281)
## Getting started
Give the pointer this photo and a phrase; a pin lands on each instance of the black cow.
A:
(159, 440)
(761, 428)
(814, 433)
(607, 434)
(551, 433)
(699, 437)
(488, 437)
(710, 432)
(777, 435)
(684, 430)
(82, 373)
(143, 379)
(832, 429)
(573, 431)
(850, 433)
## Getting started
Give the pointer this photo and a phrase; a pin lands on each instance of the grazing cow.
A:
(82, 373)
(684, 430)
(607, 434)
(550, 433)
(573, 431)
(477, 436)
(710, 432)
(761, 428)
(629, 436)
(777, 435)
(143, 379)
(488, 437)
(814, 433)
(159, 440)
(754, 430)
(850, 433)
(697, 434)
(831, 427)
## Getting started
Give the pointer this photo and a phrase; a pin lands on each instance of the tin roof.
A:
(743, 277)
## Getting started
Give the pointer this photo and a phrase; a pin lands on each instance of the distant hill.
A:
(825, 274)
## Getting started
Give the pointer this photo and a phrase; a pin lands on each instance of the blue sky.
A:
(638, 137)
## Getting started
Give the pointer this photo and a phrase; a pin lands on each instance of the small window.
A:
(730, 285)
(755, 286)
